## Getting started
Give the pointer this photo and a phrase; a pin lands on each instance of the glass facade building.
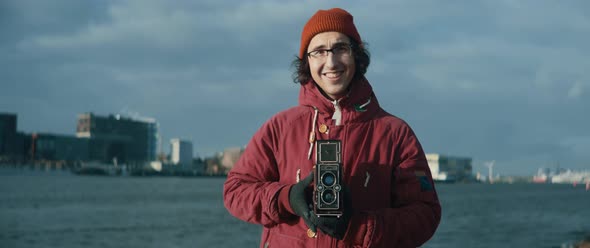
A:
(128, 140)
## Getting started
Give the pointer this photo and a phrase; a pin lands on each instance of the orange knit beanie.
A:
(335, 19)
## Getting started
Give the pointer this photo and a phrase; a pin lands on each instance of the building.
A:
(127, 140)
(16, 147)
(181, 152)
(57, 147)
(230, 157)
(8, 137)
(449, 168)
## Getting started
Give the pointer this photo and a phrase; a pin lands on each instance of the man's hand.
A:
(334, 226)
(298, 201)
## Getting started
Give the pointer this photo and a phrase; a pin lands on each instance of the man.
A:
(389, 199)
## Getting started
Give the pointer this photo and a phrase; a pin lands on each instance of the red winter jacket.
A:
(393, 196)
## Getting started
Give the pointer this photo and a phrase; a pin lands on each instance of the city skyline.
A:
(495, 81)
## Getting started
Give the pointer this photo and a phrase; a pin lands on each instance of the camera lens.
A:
(328, 197)
(328, 178)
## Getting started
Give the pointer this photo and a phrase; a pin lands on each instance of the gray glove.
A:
(300, 205)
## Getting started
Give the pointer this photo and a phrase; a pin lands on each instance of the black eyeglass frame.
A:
(331, 50)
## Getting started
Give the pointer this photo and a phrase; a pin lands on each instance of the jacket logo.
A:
(362, 107)
(358, 108)
(425, 184)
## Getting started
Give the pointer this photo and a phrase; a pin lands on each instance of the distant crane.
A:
(490, 165)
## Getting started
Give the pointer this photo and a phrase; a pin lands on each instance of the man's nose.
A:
(331, 59)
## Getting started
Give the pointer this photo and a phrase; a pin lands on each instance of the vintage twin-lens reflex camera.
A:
(327, 178)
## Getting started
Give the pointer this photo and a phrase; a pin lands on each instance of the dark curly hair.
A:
(362, 59)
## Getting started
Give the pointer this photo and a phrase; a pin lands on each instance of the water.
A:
(58, 209)
(517, 215)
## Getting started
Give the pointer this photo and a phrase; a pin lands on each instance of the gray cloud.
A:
(495, 80)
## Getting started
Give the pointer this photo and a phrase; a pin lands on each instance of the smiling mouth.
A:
(336, 74)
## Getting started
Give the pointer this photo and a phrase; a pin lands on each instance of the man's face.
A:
(332, 71)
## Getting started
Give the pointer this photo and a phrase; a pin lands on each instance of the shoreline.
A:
(102, 171)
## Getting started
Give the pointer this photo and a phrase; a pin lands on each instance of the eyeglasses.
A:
(341, 50)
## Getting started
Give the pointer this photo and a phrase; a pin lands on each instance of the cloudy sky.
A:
(504, 81)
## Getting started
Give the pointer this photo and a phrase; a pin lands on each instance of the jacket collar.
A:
(359, 104)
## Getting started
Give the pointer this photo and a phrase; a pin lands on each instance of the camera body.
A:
(327, 178)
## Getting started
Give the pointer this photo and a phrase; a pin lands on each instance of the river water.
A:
(59, 209)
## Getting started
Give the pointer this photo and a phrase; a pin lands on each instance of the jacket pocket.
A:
(370, 187)
(279, 237)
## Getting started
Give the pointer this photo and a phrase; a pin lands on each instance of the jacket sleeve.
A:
(415, 211)
(252, 187)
